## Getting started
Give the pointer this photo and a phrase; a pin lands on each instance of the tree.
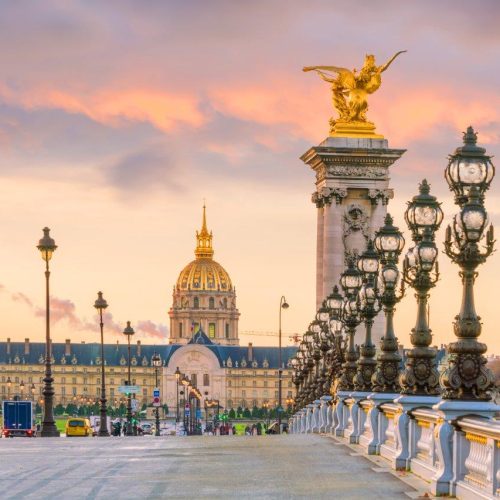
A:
(165, 408)
(246, 413)
(239, 412)
(255, 412)
(59, 409)
(232, 413)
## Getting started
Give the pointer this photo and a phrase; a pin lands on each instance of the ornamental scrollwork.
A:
(380, 196)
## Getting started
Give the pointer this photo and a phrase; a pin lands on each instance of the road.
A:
(300, 466)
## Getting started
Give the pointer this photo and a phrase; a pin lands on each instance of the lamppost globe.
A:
(368, 262)
(323, 313)
(156, 360)
(389, 241)
(426, 254)
(46, 245)
(335, 302)
(470, 222)
(423, 212)
(469, 167)
(351, 279)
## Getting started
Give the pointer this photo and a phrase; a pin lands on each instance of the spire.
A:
(204, 248)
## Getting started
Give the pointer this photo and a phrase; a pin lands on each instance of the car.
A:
(78, 427)
(147, 428)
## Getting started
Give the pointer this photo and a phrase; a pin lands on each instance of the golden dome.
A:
(204, 273)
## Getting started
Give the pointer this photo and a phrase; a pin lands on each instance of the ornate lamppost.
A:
(469, 174)
(177, 378)
(389, 242)
(420, 271)
(335, 303)
(47, 247)
(128, 332)
(156, 362)
(368, 264)
(100, 304)
(351, 282)
(283, 305)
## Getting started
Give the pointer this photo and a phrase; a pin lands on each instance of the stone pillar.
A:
(333, 245)
(317, 199)
(352, 185)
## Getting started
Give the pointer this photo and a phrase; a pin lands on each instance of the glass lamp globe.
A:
(427, 254)
(323, 314)
(469, 224)
(390, 275)
(351, 279)
(389, 241)
(423, 212)
(335, 301)
(368, 262)
(351, 307)
(469, 167)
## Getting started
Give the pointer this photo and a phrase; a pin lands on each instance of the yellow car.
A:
(78, 427)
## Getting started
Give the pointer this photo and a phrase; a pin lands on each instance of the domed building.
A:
(204, 298)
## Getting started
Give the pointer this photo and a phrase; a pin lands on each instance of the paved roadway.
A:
(302, 466)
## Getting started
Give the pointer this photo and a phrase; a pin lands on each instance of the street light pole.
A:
(47, 246)
(177, 377)
(283, 305)
(156, 363)
(129, 331)
(100, 304)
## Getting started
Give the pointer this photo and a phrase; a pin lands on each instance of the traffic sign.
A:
(198, 413)
(129, 389)
(135, 404)
(187, 412)
(156, 392)
(156, 401)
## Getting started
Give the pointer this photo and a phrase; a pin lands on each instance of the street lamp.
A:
(420, 270)
(283, 305)
(9, 384)
(351, 281)
(469, 175)
(21, 389)
(100, 304)
(185, 382)
(129, 331)
(369, 302)
(177, 377)
(47, 247)
(390, 243)
(33, 392)
(156, 361)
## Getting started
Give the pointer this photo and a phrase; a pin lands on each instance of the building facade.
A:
(204, 297)
(203, 345)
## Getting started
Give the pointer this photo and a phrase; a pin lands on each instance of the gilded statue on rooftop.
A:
(350, 91)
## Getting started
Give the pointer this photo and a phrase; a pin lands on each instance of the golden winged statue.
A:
(350, 91)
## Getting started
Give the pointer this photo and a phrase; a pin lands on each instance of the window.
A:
(73, 380)
(112, 381)
(180, 329)
(206, 380)
(145, 391)
(211, 303)
(211, 330)
(227, 330)
(112, 392)
(254, 383)
(275, 394)
(265, 383)
(243, 394)
(243, 383)
(63, 380)
(196, 303)
(229, 383)
(144, 381)
(265, 374)
(84, 380)
(74, 391)
(98, 381)
(194, 379)
(225, 303)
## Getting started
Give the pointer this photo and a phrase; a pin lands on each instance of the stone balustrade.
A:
(458, 457)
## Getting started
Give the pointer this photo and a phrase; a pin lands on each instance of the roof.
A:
(88, 354)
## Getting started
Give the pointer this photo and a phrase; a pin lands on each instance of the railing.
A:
(456, 456)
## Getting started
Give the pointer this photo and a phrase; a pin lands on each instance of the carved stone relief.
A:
(355, 231)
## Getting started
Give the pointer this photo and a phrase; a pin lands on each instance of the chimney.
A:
(8, 346)
(67, 348)
(138, 348)
(26, 346)
(250, 352)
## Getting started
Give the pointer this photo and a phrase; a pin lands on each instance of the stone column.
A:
(333, 246)
(317, 199)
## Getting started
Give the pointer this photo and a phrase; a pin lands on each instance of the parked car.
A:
(78, 427)
(147, 428)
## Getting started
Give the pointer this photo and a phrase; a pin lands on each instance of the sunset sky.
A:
(118, 118)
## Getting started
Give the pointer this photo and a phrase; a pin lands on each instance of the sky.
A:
(118, 118)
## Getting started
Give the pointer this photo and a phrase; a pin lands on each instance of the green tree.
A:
(239, 412)
(246, 413)
(232, 413)
(255, 412)
(59, 409)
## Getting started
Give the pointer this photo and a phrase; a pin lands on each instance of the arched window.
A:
(196, 303)
(225, 302)
(211, 303)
